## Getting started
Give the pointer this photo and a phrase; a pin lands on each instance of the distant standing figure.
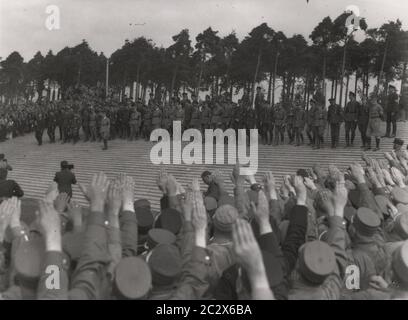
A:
(65, 178)
(105, 130)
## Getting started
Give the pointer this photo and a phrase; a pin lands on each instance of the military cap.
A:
(133, 278)
(226, 199)
(366, 222)
(141, 203)
(169, 219)
(316, 261)
(402, 208)
(401, 225)
(29, 258)
(225, 217)
(354, 197)
(382, 203)
(72, 244)
(398, 141)
(165, 263)
(159, 236)
(332, 99)
(400, 195)
(400, 263)
(144, 219)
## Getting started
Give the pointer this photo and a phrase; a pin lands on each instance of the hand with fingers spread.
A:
(97, 191)
(284, 192)
(325, 200)
(50, 223)
(270, 185)
(51, 193)
(334, 172)
(300, 188)
(61, 202)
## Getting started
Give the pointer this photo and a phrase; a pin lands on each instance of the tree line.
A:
(224, 65)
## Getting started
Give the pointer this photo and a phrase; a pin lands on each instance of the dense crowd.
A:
(106, 119)
(322, 234)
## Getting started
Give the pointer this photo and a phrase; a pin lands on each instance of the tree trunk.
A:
(275, 70)
(343, 68)
(324, 78)
(335, 89)
(346, 91)
(380, 76)
(258, 63)
(355, 84)
(332, 89)
(269, 86)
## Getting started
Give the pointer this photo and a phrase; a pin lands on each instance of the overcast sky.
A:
(105, 24)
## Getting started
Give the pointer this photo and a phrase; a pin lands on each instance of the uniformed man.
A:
(375, 116)
(350, 119)
(334, 118)
(92, 125)
(85, 124)
(76, 126)
(290, 119)
(319, 125)
(186, 105)
(206, 114)
(309, 121)
(299, 123)
(196, 114)
(362, 120)
(105, 129)
(51, 125)
(280, 120)
(156, 117)
(147, 121)
(135, 122)
(39, 127)
(392, 109)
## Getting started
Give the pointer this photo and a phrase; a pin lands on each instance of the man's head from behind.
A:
(3, 173)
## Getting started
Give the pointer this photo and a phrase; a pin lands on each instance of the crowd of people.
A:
(106, 119)
(322, 234)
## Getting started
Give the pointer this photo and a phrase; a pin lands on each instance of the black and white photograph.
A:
(222, 151)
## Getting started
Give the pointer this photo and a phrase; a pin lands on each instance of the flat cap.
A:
(399, 195)
(225, 217)
(165, 263)
(400, 263)
(316, 261)
(401, 225)
(157, 236)
(142, 203)
(366, 222)
(133, 278)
